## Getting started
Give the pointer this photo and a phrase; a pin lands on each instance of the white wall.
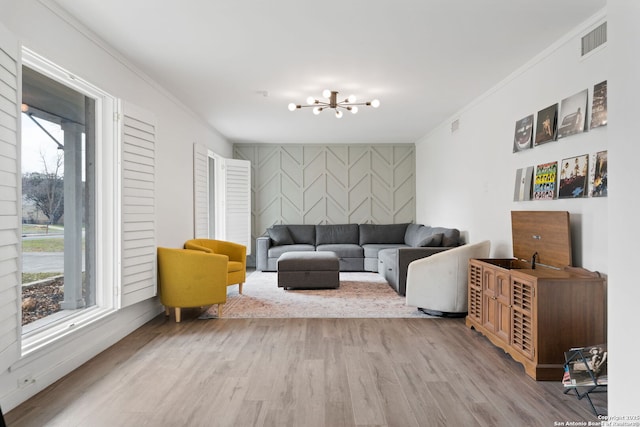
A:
(623, 232)
(473, 188)
(56, 38)
(60, 40)
(465, 179)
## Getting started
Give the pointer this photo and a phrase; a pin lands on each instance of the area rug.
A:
(360, 295)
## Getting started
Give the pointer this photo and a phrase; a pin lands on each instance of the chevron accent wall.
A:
(330, 184)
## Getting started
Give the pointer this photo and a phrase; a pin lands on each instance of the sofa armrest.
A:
(408, 255)
(263, 243)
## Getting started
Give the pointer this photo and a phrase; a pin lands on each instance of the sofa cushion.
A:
(411, 230)
(301, 233)
(450, 236)
(280, 235)
(327, 234)
(416, 233)
(371, 250)
(276, 251)
(382, 233)
(431, 240)
(343, 250)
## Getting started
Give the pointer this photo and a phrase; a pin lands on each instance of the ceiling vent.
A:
(455, 125)
(594, 38)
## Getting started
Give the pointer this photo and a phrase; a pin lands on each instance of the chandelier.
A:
(348, 104)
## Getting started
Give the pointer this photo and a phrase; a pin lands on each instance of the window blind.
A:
(10, 290)
(138, 206)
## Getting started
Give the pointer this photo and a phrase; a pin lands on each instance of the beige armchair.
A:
(437, 284)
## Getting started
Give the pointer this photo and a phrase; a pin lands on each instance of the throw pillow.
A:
(433, 241)
(280, 236)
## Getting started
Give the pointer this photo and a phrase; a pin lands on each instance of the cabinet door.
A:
(496, 302)
(475, 291)
(503, 305)
(523, 326)
(489, 299)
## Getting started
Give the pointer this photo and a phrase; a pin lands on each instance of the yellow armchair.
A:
(189, 278)
(237, 253)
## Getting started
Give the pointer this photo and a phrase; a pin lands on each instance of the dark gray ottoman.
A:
(308, 270)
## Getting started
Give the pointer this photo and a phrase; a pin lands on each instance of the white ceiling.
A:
(239, 63)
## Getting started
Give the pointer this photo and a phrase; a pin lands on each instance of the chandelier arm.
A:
(333, 103)
(357, 103)
(319, 104)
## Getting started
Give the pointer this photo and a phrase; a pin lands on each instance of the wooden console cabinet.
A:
(536, 314)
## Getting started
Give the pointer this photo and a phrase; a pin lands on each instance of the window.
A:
(69, 149)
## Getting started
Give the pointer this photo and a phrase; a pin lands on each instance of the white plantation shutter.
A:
(237, 201)
(138, 206)
(200, 191)
(10, 297)
(232, 197)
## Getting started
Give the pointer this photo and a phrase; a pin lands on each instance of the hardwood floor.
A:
(302, 372)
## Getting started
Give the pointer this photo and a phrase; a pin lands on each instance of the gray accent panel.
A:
(330, 184)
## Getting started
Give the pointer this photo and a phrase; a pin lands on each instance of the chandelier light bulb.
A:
(317, 110)
(292, 107)
(338, 114)
(354, 110)
(352, 99)
(311, 100)
(375, 103)
(326, 93)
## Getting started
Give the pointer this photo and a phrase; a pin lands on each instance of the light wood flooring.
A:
(301, 372)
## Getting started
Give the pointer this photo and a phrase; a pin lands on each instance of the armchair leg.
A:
(240, 288)
(220, 310)
(178, 315)
(167, 311)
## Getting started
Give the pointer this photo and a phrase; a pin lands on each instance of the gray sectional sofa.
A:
(384, 248)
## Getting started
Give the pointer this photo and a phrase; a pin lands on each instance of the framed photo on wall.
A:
(599, 107)
(573, 177)
(572, 114)
(523, 185)
(547, 125)
(544, 187)
(598, 177)
(523, 134)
